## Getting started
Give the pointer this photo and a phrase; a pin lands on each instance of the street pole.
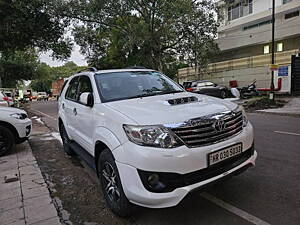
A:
(273, 51)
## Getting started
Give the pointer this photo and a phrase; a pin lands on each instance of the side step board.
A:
(84, 155)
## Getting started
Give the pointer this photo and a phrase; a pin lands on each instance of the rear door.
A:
(69, 106)
(84, 118)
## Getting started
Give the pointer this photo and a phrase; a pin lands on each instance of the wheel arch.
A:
(11, 128)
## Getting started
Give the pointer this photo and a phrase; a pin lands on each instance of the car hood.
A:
(10, 110)
(157, 110)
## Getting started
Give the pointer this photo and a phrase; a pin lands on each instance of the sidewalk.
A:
(26, 201)
(291, 108)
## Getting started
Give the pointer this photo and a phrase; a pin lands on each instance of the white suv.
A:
(150, 141)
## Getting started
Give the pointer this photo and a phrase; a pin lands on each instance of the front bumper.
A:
(131, 159)
(24, 128)
(137, 194)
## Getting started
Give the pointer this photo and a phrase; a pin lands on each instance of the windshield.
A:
(127, 85)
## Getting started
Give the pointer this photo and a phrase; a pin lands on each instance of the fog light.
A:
(153, 180)
(155, 183)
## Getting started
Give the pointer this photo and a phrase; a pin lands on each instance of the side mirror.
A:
(87, 99)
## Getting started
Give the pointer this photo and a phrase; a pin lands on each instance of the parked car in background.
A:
(42, 96)
(206, 88)
(15, 128)
(3, 99)
(10, 98)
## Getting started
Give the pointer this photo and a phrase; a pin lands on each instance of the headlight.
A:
(245, 118)
(155, 136)
(20, 116)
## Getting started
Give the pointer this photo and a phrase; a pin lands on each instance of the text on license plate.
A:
(224, 154)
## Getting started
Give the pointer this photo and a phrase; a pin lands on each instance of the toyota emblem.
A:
(219, 125)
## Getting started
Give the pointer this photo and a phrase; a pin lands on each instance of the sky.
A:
(76, 57)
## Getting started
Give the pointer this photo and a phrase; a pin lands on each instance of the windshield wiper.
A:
(170, 92)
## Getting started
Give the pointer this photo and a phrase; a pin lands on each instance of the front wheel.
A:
(7, 140)
(111, 184)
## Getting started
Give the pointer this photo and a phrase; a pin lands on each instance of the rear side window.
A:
(71, 93)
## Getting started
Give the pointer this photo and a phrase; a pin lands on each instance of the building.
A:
(244, 38)
(57, 86)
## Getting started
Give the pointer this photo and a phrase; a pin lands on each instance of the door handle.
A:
(75, 111)
(63, 106)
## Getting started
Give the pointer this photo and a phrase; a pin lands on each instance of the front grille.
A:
(205, 133)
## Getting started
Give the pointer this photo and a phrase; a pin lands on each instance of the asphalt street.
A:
(266, 194)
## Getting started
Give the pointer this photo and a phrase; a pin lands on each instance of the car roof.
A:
(123, 70)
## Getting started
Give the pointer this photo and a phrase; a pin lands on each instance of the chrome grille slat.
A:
(211, 133)
(204, 133)
(215, 137)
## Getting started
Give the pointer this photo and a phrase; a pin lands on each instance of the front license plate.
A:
(223, 154)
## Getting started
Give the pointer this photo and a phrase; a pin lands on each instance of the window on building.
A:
(240, 9)
(286, 1)
(266, 49)
(279, 47)
(257, 25)
(291, 15)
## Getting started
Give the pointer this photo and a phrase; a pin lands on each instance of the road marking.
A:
(234, 210)
(283, 132)
(43, 114)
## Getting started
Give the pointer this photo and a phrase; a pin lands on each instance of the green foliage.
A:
(150, 33)
(18, 65)
(47, 74)
(33, 24)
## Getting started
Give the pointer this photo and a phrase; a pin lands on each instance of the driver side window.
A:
(84, 85)
(71, 93)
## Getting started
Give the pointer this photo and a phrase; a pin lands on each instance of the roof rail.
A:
(91, 69)
(135, 67)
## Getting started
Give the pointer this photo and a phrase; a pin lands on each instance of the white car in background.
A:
(150, 141)
(15, 128)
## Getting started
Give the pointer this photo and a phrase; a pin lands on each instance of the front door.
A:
(84, 117)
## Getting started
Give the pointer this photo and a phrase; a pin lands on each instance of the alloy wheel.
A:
(110, 182)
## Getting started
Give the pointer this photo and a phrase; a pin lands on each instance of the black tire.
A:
(111, 185)
(65, 140)
(223, 94)
(7, 140)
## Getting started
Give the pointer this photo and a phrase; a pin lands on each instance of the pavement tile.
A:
(21, 222)
(38, 201)
(7, 172)
(29, 163)
(10, 203)
(8, 165)
(52, 221)
(12, 216)
(34, 192)
(34, 184)
(10, 193)
(8, 186)
(31, 177)
(36, 213)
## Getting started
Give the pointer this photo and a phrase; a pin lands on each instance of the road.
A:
(266, 194)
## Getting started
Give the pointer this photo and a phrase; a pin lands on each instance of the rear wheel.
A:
(111, 184)
(65, 140)
(7, 140)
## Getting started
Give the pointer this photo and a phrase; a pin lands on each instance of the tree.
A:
(153, 33)
(18, 65)
(33, 24)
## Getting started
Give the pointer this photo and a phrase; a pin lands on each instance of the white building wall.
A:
(232, 35)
